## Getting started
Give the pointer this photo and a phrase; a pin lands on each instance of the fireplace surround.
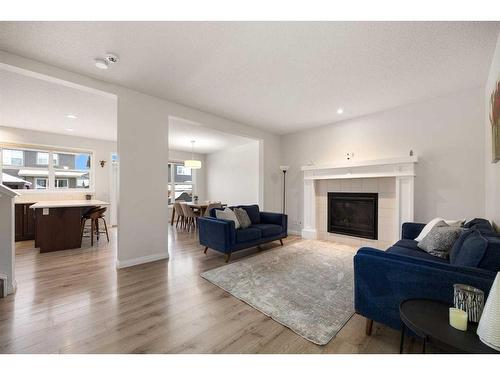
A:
(400, 170)
(353, 214)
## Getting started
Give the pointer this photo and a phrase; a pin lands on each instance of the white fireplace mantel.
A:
(402, 169)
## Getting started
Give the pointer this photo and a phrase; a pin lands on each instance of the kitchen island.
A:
(58, 223)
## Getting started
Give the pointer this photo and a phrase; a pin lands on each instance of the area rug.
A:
(307, 286)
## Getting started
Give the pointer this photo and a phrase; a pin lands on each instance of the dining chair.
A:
(210, 206)
(190, 216)
(180, 213)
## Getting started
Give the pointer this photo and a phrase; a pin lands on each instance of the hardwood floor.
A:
(75, 301)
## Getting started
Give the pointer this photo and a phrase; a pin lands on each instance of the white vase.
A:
(488, 329)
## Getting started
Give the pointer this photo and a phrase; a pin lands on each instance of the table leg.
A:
(173, 214)
(401, 343)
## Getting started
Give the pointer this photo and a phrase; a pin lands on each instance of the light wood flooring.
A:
(75, 301)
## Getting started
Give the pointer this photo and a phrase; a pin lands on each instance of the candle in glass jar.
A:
(458, 319)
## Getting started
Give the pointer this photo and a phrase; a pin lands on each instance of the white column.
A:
(404, 201)
(7, 247)
(309, 230)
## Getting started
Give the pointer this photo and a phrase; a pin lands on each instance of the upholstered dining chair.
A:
(180, 213)
(189, 216)
(210, 206)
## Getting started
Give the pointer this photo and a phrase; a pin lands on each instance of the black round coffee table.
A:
(429, 320)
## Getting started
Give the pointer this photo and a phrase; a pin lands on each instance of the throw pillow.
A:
(427, 228)
(440, 239)
(253, 213)
(228, 214)
(458, 244)
(433, 222)
(242, 217)
(472, 250)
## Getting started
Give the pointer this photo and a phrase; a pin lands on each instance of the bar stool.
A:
(94, 215)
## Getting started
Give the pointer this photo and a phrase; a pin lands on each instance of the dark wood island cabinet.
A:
(24, 222)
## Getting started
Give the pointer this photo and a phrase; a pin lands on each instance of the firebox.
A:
(353, 214)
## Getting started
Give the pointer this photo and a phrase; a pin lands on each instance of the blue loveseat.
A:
(383, 279)
(221, 235)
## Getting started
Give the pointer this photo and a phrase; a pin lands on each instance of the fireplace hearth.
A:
(353, 214)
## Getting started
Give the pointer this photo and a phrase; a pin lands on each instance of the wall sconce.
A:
(102, 162)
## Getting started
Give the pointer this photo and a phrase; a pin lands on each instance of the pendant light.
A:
(192, 163)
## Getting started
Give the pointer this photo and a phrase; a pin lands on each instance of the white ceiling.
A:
(207, 140)
(280, 76)
(37, 104)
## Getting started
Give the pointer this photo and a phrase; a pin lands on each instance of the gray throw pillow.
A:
(243, 217)
(227, 214)
(440, 239)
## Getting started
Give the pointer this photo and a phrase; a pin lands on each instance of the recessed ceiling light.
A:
(69, 129)
(69, 115)
(340, 110)
(101, 64)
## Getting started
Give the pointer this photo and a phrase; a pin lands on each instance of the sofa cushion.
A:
(440, 239)
(458, 244)
(243, 217)
(491, 257)
(253, 213)
(248, 234)
(414, 253)
(472, 249)
(268, 230)
(409, 244)
(228, 214)
(479, 224)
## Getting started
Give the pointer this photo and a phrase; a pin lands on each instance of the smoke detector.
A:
(109, 59)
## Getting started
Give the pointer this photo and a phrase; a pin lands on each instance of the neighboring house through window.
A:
(40, 183)
(14, 158)
(62, 183)
(42, 158)
(29, 167)
(180, 183)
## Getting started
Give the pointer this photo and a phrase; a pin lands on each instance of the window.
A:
(180, 183)
(62, 183)
(13, 158)
(183, 171)
(29, 168)
(41, 183)
(42, 158)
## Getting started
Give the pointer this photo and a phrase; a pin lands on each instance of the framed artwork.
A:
(495, 122)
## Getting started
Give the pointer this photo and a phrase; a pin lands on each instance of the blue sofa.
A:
(221, 235)
(383, 279)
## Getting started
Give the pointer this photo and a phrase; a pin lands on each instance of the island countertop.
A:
(69, 203)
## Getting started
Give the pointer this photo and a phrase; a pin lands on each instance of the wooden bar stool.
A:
(94, 215)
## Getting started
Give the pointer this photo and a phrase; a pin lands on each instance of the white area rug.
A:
(308, 286)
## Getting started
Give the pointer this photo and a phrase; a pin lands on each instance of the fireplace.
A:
(353, 214)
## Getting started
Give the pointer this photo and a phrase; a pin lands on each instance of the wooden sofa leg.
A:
(227, 257)
(281, 242)
(206, 248)
(369, 326)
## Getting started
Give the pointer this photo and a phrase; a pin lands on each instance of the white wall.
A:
(233, 174)
(446, 134)
(492, 171)
(143, 131)
(102, 151)
(7, 248)
(199, 175)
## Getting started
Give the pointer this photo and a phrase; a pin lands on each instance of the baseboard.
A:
(295, 232)
(310, 234)
(141, 260)
(6, 288)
